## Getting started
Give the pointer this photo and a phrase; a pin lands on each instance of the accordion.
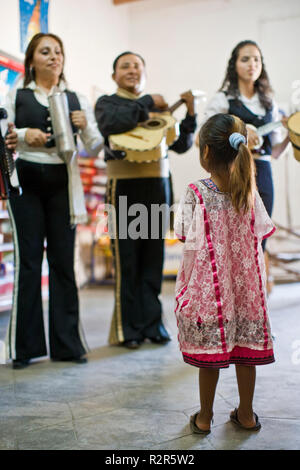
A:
(9, 182)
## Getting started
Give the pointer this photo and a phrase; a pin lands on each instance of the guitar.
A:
(9, 182)
(263, 130)
(150, 140)
(294, 133)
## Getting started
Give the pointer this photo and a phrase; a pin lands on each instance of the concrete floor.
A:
(143, 399)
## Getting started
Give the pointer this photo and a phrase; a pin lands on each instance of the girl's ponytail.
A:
(225, 137)
(242, 180)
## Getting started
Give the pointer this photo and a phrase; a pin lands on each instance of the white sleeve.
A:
(90, 136)
(264, 226)
(278, 135)
(295, 98)
(10, 106)
(184, 214)
(218, 104)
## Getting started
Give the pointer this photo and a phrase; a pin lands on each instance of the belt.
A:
(122, 169)
(263, 158)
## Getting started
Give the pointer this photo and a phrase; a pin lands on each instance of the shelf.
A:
(4, 214)
(4, 247)
(6, 290)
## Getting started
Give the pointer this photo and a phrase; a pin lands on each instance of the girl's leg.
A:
(208, 379)
(270, 281)
(246, 376)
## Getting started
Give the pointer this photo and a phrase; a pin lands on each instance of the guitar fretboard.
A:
(267, 128)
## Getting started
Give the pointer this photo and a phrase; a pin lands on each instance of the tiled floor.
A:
(142, 399)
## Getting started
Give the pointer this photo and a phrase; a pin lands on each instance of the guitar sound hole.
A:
(155, 123)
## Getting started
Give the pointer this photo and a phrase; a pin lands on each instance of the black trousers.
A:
(42, 212)
(138, 261)
(264, 182)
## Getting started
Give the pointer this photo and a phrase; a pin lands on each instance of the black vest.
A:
(31, 113)
(237, 108)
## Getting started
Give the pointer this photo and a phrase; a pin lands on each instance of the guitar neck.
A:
(175, 106)
(267, 128)
(196, 94)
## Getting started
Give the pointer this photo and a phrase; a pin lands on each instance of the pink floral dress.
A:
(221, 306)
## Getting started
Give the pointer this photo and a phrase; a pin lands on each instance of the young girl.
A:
(221, 306)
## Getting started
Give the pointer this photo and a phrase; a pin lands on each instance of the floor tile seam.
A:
(73, 422)
(73, 418)
(15, 444)
(91, 447)
(150, 440)
(60, 402)
(39, 399)
(42, 427)
(80, 418)
(226, 400)
(150, 407)
(280, 418)
(186, 435)
(143, 408)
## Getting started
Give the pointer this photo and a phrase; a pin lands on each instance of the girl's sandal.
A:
(235, 420)
(195, 429)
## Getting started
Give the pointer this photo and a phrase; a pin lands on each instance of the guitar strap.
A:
(126, 94)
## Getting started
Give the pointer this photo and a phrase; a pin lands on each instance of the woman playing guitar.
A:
(138, 262)
(246, 93)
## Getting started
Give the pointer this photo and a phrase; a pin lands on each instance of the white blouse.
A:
(90, 137)
(220, 104)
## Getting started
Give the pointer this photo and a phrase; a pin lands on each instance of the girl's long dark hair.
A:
(262, 85)
(223, 158)
(29, 71)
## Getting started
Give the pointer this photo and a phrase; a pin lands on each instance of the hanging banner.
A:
(11, 69)
(33, 20)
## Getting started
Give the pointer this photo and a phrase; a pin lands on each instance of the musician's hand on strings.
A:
(11, 139)
(284, 121)
(189, 100)
(159, 102)
(36, 137)
(79, 120)
(253, 138)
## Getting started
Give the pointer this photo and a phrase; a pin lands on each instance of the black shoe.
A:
(79, 360)
(76, 360)
(20, 363)
(132, 344)
(160, 339)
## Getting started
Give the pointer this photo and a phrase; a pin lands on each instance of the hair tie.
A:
(235, 139)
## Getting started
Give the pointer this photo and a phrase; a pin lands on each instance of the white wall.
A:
(187, 44)
(93, 33)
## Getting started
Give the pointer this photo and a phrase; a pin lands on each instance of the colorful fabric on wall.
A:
(33, 19)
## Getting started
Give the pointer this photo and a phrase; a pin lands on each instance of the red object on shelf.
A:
(6, 291)
(85, 170)
(11, 64)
